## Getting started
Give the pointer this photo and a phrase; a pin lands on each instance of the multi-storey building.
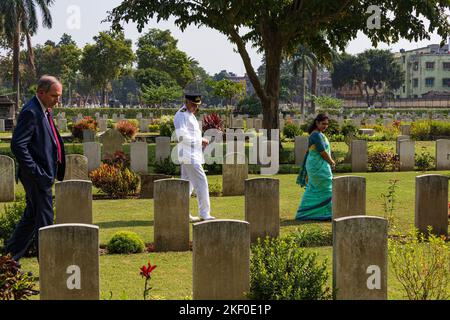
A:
(426, 70)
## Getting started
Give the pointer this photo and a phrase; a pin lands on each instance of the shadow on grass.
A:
(293, 222)
(122, 224)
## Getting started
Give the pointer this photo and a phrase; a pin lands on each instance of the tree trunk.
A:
(104, 95)
(16, 68)
(302, 91)
(272, 90)
(367, 95)
(313, 88)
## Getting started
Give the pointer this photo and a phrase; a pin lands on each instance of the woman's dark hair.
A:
(320, 117)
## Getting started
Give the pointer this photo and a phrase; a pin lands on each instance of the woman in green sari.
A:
(315, 174)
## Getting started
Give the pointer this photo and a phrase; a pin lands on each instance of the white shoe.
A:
(194, 219)
(207, 218)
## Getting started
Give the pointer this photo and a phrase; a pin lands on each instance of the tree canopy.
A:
(276, 27)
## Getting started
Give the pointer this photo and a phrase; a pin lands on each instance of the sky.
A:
(82, 20)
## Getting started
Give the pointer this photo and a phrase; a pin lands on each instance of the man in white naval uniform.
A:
(190, 154)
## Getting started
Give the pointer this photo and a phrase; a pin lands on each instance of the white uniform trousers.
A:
(196, 176)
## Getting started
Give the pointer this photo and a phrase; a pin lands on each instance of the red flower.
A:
(146, 271)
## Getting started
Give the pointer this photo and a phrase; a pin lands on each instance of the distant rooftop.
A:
(430, 49)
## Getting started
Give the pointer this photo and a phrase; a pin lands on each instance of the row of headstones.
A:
(357, 274)
(405, 148)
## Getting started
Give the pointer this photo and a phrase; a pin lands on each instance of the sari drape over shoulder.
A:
(315, 174)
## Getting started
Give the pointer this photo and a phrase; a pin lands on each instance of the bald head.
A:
(49, 90)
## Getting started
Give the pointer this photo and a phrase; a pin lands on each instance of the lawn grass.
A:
(172, 279)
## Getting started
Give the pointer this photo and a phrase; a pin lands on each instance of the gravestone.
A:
(76, 167)
(73, 201)
(62, 125)
(359, 156)
(406, 155)
(112, 141)
(147, 184)
(397, 143)
(102, 125)
(162, 149)
(221, 260)
(69, 262)
(349, 196)
(250, 123)
(443, 154)
(171, 215)
(143, 125)
(2, 125)
(360, 258)
(432, 204)
(139, 157)
(301, 147)
(405, 129)
(368, 132)
(7, 179)
(258, 124)
(262, 207)
(92, 151)
(88, 136)
(234, 175)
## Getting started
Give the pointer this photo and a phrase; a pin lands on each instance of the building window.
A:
(446, 65)
(430, 65)
(404, 89)
(429, 82)
(415, 82)
(416, 66)
(446, 82)
(404, 59)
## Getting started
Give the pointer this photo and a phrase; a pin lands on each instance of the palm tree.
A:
(305, 59)
(20, 20)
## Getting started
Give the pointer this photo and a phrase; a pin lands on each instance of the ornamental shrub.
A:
(424, 161)
(421, 265)
(125, 242)
(117, 181)
(291, 131)
(10, 218)
(127, 128)
(212, 121)
(381, 159)
(14, 283)
(281, 270)
(87, 123)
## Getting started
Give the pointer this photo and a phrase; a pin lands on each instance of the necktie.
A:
(55, 136)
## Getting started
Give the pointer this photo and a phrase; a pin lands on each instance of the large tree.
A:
(20, 20)
(371, 71)
(106, 59)
(276, 26)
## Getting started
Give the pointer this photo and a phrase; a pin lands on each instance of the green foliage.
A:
(125, 242)
(421, 265)
(166, 167)
(429, 130)
(153, 127)
(160, 94)
(227, 89)
(312, 237)
(14, 283)
(10, 218)
(327, 102)
(424, 161)
(250, 105)
(349, 128)
(332, 129)
(389, 200)
(166, 126)
(291, 131)
(281, 270)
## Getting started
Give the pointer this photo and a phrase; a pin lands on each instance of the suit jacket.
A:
(35, 148)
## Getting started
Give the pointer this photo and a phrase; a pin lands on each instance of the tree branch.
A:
(236, 38)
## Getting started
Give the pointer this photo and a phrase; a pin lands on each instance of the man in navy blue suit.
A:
(39, 151)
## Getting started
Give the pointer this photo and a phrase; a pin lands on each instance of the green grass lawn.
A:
(172, 279)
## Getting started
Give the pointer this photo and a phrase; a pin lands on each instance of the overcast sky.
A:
(82, 20)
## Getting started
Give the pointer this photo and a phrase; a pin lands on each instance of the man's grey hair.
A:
(46, 82)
